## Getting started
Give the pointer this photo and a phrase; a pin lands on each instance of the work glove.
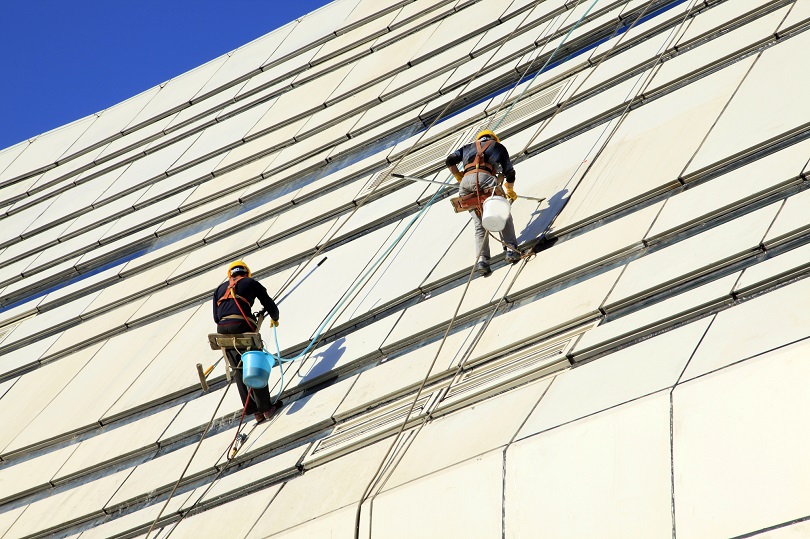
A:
(458, 175)
(510, 192)
(273, 323)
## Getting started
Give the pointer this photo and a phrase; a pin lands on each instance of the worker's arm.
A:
(266, 301)
(452, 162)
(508, 173)
(216, 314)
(505, 163)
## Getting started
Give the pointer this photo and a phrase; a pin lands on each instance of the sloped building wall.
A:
(643, 374)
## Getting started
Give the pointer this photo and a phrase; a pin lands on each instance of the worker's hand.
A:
(458, 175)
(510, 192)
(273, 323)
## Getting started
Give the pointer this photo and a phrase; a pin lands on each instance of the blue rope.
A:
(349, 293)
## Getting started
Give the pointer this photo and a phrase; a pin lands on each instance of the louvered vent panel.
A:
(510, 371)
(372, 425)
(419, 161)
(5, 330)
(526, 108)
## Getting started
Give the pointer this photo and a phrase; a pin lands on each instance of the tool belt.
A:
(475, 201)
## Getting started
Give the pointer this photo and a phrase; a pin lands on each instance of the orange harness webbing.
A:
(230, 293)
(479, 163)
(476, 201)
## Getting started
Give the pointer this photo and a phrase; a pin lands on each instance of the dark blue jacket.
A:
(248, 288)
(495, 155)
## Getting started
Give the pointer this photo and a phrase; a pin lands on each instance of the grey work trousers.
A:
(481, 237)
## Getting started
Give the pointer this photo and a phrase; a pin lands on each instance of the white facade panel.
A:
(751, 328)
(460, 436)
(84, 501)
(737, 460)
(608, 463)
(731, 190)
(472, 489)
(750, 121)
(353, 471)
(615, 379)
(694, 256)
(791, 221)
(661, 137)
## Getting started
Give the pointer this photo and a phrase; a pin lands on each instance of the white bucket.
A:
(495, 214)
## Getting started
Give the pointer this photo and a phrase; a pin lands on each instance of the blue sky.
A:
(63, 60)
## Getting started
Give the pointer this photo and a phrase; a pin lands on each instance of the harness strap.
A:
(230, 293)
(480, 162)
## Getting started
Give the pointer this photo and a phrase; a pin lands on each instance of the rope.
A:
(239, 427)
(345, 297)
(182, 475)
(374, 477)
(524, 257)
(278, 357)
(542, 69)
(367, 490)
(592, 71)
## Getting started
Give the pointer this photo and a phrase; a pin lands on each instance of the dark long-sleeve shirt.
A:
(496, 155)
(248, 288)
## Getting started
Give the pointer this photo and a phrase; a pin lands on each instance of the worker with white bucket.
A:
(480, 194)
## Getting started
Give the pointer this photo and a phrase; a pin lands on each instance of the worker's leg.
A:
(481, 237)
(508, 232)
(235, 358)
(262, 398)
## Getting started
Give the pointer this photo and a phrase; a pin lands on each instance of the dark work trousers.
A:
(260, 400)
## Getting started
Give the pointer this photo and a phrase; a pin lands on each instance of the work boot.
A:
(483, 268)
(274, 408)
(513, 257)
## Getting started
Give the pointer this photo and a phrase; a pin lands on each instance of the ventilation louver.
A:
(524, 110)
(425, 159)
(372, 426)
(504, 373)
(483, 379)
(6, 330)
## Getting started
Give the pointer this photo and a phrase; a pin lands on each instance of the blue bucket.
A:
(256, 366)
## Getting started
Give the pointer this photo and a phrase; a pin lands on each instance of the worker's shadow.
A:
(318, 365)
(540, 219)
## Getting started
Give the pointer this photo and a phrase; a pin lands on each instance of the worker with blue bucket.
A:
(233, 302)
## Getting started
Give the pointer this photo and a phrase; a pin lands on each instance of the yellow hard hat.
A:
(238, 264)
(487, 133)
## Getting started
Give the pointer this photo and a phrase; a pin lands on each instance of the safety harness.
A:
(480, 162)
(230, 293)
(475, 201)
